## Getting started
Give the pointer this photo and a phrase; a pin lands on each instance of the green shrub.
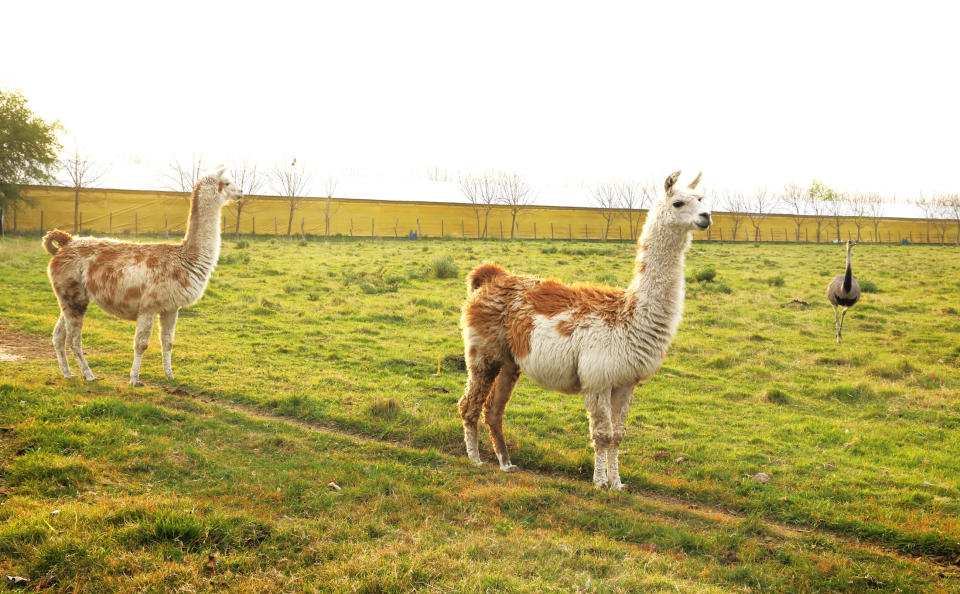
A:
(706, 275)
(443, 267)
(242, 244)
(868, 286)
(776, 281)
(776, 396)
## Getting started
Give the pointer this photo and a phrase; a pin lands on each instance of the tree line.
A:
(30, 153)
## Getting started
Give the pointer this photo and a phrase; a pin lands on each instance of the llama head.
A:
(682, 206)
(218, 188)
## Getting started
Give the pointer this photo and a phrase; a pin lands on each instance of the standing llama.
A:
(599, 341)
(136, 281)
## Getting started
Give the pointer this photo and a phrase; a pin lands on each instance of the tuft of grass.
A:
(776, 396)
(443, 267)
(706, 275)
(242, 244)
(851, 394)
(776, 281)
(868, 286)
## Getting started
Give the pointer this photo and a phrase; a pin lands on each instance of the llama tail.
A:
(56, 239)
(483, 274)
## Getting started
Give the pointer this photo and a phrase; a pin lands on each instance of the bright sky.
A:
(862, 95)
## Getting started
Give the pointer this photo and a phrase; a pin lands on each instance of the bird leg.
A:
(836, 317)
(840, 327)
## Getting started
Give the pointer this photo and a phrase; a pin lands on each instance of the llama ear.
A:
(695, 181)
(671, 180)
(220, 170)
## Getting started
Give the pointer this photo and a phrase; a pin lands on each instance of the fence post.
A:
(570, 231)
(41, 221)
(420, 231)
(253, 225)
(463, 230)
(80, 222)
(721, 233)
(14, 220)
(551, 231)
(165, 232)
(442, 233)
(274, 226)
(373, 228)
(351, 226)
(136, 224)
(111, 223)
(501, 230)
(2, 225)
(534, 230)
(303, 235)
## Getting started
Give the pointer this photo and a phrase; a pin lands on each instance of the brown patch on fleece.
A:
(483, 274)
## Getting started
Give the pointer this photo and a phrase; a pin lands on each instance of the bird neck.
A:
(848, 277)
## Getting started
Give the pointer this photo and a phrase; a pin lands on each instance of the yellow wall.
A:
(117, 212)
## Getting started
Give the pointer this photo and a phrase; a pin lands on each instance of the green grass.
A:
(859, 440)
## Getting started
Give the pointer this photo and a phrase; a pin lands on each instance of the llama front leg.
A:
(620, 401)
(479, 380)
(168, 323)
(60, 346)
(493, 412)
(601, 433)
(140, 342)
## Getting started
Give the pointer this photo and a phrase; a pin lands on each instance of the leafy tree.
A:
(28, 148)
(824, 202)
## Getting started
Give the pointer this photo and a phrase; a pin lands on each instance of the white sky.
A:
(862, 95)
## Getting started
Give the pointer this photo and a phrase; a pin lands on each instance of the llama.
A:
(136, 281)
(843, 291)
(598, 341)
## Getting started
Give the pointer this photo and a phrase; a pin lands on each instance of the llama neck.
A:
(659, 265)
(202, 241)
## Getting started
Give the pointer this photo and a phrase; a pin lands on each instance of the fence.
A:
(135, 212)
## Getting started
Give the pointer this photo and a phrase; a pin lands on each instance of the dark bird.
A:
(843, 291)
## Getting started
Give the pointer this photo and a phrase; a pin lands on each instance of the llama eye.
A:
(677, 204)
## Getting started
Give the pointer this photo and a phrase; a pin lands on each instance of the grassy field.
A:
(312, 362)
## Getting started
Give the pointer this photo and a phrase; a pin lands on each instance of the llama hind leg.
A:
(601, 433)
(620, 401)
(74, 329)
(493, 412)
(168, 323)
(60, 346)
(479, 381)
(140, 342)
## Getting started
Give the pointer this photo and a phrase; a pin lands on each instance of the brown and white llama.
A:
(136, 281)
(598, 341)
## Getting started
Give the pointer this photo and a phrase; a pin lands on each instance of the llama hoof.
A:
(170, 376)
(509, 468)
(68, 376)
(617, 486)
(476, 460)
(601, 484)
(136, 383)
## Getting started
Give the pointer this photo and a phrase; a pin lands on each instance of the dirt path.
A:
(662, 503)
(18, 347)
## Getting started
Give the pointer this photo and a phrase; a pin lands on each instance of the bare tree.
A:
(291, 182)
(634, 198)
(930, 210)
(944, 216)
(606, 198)
(735, 204)
(488, 194)
(836, 205)
(329, 207)
(182, 176)
(796, 199)
(858, 205)
(79, 172)
(250, 181)
(516, 195)
(435, 174)
(759, 207)
(820, 197)
(470, 188)
(950, 204)
(875, 208)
